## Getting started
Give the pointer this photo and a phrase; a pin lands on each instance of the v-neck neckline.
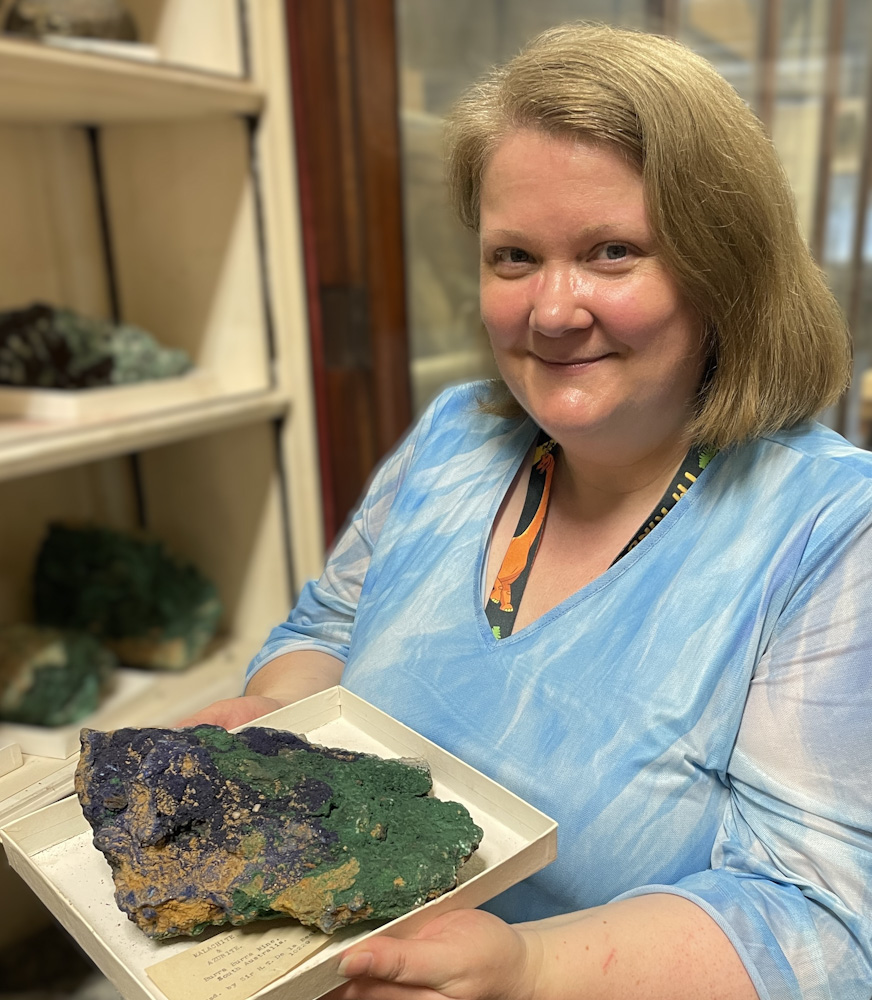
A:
(510, 580)
(629, 556)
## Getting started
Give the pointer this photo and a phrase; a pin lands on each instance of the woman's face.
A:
(588, 329)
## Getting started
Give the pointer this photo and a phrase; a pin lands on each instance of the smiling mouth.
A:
(572, 362)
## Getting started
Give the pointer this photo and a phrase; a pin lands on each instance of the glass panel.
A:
(444, 45)
(727, 33)
(812, 93)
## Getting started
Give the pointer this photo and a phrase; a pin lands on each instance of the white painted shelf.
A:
(33, 446)
(48, 85)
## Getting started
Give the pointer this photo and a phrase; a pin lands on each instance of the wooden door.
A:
(344, 82)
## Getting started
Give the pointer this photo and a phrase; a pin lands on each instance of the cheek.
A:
(504, 313)
(655, 317)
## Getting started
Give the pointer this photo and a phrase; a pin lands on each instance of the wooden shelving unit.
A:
(164, 194)
(30, 446)
(39, 83)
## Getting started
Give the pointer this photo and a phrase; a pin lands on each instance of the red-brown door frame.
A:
(345, 99)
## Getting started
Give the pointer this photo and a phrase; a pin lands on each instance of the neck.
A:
(592, 489)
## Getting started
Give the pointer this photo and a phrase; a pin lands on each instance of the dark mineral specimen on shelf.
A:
(49, 677)
(107, 19)
(46, 348)
(150, 609)
(204, 827)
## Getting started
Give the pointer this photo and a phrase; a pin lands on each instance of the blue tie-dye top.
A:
(698, 719)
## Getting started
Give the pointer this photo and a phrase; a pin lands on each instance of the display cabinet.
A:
(159, 189)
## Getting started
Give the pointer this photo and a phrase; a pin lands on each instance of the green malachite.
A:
(49, 677)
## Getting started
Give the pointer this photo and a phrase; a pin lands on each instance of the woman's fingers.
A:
(410, 963)
(231, 712)
(463, 955)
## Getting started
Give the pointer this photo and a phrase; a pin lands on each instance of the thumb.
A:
(412, 962)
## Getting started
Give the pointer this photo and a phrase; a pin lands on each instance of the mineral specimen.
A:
(49, 677)
(108, 19)
(201, 827)
(46, 348)
(125, 589)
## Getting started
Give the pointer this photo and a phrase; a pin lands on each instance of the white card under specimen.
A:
(237, 963)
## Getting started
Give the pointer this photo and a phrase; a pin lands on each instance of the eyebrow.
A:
(512, 235)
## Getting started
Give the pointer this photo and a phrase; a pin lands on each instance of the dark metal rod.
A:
(244, 37)
(283, 478)
(255, 174)
(93, 135)
(134, 463)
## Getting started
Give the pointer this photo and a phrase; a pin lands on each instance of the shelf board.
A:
(43, 84)
(30, 446)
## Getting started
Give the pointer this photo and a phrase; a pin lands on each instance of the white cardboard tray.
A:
(53, 852)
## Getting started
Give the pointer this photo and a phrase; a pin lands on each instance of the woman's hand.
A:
(660, 946)
(280, 682)
(464, 955)
(233, 712)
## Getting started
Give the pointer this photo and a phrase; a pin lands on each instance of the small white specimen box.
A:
(52, 850)
(10, 757)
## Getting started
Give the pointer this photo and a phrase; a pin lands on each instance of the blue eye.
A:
(512, 255)
(616, 251)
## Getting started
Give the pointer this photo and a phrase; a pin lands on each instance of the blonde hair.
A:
(718, 202)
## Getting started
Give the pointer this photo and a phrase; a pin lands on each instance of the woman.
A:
(629, 582)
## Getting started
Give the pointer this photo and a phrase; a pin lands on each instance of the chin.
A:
(570, 411)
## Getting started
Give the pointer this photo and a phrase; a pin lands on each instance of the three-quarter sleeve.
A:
(791, 870)
(323, 617)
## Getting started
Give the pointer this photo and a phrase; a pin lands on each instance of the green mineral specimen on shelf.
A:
(204, 827)
(149, 608)
(42, 347)
(106, 19)
(49, 677)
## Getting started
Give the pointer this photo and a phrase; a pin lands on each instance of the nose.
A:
(561, 302)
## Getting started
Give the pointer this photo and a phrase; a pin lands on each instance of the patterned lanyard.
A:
(508, 589)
